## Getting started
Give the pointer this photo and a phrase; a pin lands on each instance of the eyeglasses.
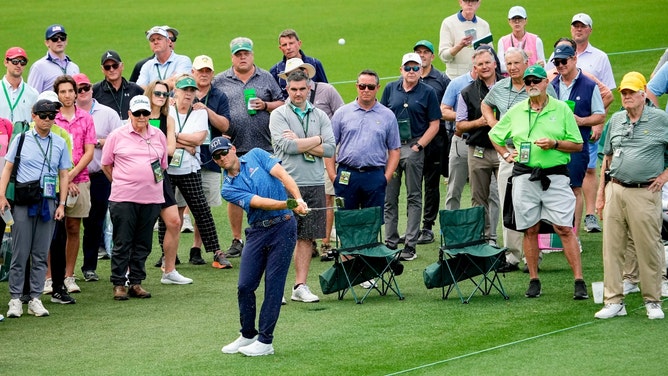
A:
(414, 68)
(111, 66)
(83, 89)
(57, 38)
(558, 62)
(44, 115)
(366, 86)
(143, 113)
(23, 62)
(159, 94)
(535, 80)
(219, 155)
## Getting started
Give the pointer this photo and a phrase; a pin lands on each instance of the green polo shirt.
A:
(639, 151)
(555, 122)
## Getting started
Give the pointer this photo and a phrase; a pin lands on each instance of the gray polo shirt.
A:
(639, 151)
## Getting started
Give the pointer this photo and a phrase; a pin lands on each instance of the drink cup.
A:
(71, 201)
(7, 217)
(597, 289)
(571, 105)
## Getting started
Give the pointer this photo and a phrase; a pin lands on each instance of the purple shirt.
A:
(364, 137)
(131, 154)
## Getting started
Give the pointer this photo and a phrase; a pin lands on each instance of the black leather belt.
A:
(631, 185)
(272, 221)
(361, 169)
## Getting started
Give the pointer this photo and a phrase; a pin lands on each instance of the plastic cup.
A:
(571, 105)
(597, 289)
(7, 217)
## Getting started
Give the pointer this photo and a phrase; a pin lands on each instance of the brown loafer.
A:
(120, 293)
(136, 291)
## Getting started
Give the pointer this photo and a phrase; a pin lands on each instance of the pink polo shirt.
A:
(131, 155)
(82, 131)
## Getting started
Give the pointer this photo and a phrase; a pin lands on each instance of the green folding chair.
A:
(465, 255)
(361, 256)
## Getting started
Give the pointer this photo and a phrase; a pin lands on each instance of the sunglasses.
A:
(163, 94)
(23, 62)
(44, 115)
(414, 68)
(111, 66)
(143, 113)
(558, 62)
(219, 155)
(367, 86)
(535, 80)
(83, 89)
(58, 38)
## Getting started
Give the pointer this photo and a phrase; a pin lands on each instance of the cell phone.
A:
(470, 33)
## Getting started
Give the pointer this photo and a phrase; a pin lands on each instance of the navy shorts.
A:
(577, 167)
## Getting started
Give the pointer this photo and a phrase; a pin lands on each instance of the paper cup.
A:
(571, 105)
(597, 289)
(7, 217)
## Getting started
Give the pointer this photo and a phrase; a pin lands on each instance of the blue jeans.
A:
(268, 250)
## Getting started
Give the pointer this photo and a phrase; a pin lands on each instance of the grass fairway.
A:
(181, 329)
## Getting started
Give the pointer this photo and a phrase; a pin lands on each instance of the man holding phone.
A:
(458, 32)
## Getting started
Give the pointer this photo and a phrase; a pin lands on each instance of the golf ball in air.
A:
(342, 41)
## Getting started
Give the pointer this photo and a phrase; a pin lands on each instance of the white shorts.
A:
(556, 205)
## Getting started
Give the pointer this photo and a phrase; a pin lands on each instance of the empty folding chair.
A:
(361, 256)
(465, 254)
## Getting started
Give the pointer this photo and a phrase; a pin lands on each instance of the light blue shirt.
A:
(153, 70)
(454, 88)
(658, 85)
(34, 164)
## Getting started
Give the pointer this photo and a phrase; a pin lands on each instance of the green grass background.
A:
(181, 329)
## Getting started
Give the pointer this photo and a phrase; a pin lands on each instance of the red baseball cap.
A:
(81, 79)
(15, 52)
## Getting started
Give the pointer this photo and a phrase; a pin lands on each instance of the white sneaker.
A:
(2, 318)
(303, 294)
(48, 286)
(71, 285)
(283, 301)
(242, 341)
(257, 348)
(368, 284)
(174, 278)
(36, 308)
(630, 287)
(654, 310)
(15, 308)
(664, 289)
(611, 310)
(187, 225)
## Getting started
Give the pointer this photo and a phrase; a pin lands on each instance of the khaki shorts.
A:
(81, 208)
(211, 183)
(329, 187)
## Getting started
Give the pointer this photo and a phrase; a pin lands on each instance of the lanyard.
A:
(178, 117)
(9, 102)
(531, 125)
(157, 67)
(92, 107)
(119, 102)
(301, 120)
(510, 90)
(48, 148)
(64, 70)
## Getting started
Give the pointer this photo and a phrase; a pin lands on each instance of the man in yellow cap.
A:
(634, 155)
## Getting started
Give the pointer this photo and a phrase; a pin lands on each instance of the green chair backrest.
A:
(358, 227)
(462, 226)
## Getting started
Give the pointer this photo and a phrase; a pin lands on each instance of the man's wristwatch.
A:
(505, 155)
(420, 147)
(98, 145)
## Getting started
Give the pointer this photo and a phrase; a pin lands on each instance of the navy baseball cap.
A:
(55, 29)
(219, 143)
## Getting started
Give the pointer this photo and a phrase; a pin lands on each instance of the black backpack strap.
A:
(17, 159)
(312, 97)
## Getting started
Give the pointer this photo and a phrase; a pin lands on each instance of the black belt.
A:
(361, 169)
(96, 173)
(272, 221)
(631, 185)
